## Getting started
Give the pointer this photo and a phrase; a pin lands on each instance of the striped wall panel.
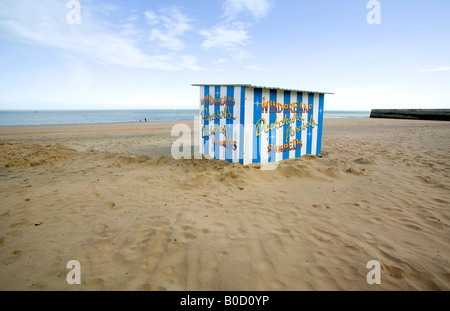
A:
(259, 125)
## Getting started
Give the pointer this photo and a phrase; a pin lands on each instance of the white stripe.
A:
(265, 136)
(316, 119)
(248, 123)
(208, 130)
(279, 131)
(293, 125)
(305, 120)
(222, 123)
(201, 140)
(236, 122)
(212, 126)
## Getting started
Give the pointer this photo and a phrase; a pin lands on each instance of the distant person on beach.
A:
(145, 119)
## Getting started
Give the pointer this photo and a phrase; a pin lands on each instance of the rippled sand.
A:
(112, 197)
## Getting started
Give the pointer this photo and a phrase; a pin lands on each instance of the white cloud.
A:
(128, 27)
(257, 8)
(103, 8)
(189, 62)
(233, 34)
(436, 69)
(43, 23)
(151, 17)
(166, 40)
(173, 25)
(225, 36)
(255, 67)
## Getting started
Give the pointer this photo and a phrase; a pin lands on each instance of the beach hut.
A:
(255, 124)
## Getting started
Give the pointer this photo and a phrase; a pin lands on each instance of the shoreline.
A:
(95, 124)
(337, 115)
(158, 122)
(124, 124)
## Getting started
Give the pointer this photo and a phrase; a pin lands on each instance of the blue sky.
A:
(140, 54)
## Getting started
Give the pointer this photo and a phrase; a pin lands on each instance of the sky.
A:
(145, 54)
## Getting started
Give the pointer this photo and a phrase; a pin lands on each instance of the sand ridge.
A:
(112, 197)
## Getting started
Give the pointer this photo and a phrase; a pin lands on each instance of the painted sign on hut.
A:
(253, 124)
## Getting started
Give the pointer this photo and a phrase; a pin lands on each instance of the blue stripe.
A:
(272, 116)
(320, 122)
(299, 123)
(287, 115)
(309, 138)
(230, 120)
(205, 121)
(241, 126)
(216, 122)
(257, 100)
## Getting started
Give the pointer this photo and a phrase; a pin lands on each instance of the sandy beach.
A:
(112, 197)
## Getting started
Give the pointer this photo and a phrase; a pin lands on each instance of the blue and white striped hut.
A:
(254, 124)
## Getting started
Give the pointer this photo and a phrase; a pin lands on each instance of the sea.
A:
(49, 117)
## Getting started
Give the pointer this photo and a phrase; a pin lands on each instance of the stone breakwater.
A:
(419, 114)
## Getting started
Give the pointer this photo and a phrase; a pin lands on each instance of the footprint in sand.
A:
(432, 219)
(220, 225)
(320, 206)
(327, 234)
(155, 255)
(439, 201)
(161, 224)
(170, 270)
(97, 283)
(264, 265)
(189, 236)
(392, 271)
(351, 247)
(282, 231)
(110, 204)
(204, 231)
(413, 227)
(38, 286)
(370, 238)
(13, 256)
(100, 229)
(319, 271)
(20, 223)
(423, 179)
(377, 220)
